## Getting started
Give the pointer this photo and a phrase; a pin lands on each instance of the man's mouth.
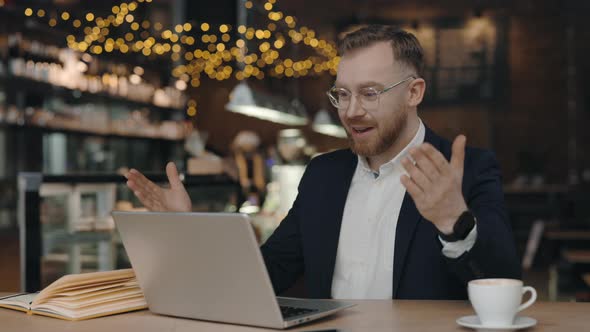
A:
(361, 130)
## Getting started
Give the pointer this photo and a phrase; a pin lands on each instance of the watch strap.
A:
(463, 226)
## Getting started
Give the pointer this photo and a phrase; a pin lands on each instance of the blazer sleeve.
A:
(282, 252)
(494, 253)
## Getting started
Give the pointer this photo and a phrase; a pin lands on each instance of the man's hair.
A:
(406, 48)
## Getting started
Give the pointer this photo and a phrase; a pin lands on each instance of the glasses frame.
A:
(335, 103)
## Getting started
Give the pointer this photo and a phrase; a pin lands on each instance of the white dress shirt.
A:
(364, 260)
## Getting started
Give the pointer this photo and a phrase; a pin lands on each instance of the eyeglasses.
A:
(369, 96)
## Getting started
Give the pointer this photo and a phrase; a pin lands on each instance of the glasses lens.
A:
(369, 98)
(339, 97)
(333, 99)
(369, 94)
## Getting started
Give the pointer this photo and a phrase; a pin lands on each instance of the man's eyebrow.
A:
(368, 84)
(361, 85)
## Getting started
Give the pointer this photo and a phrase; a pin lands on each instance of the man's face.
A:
(373, 131)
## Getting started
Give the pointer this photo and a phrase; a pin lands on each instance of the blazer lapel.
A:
(332, 216)
(406, 225)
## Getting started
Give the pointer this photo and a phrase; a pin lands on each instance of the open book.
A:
(83, 296)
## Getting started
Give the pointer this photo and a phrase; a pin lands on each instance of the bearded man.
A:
(403, 213)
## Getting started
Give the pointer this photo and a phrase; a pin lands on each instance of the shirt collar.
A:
(391, 165)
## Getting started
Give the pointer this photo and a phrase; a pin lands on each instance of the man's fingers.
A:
(144, 190)
(144, 183)
(416, 174)
(154, 188)
(173, 176)
(137, 185)
(436, 157)
(132, 185)
(425, 164)
(143, 199)
(411, 187)
(137, 178)
(151, 202)
(458, 156)
(148, 193)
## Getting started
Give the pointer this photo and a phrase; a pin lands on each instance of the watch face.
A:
(464, 225)
(461, 229)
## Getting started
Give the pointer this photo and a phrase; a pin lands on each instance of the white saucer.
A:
(473, 322)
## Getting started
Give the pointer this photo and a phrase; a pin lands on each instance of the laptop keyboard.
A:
(293, 311)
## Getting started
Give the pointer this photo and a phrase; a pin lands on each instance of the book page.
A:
(91, 278)
(89, 289)
(83, 296)
(132, 303)
(80, 281)
(94, 293)
(84, 290)
(18, 300)
(52, 289)
(92, 301)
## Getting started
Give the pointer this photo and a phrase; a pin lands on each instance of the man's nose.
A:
(355, 108)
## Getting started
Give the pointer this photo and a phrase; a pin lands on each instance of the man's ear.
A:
(416, 91)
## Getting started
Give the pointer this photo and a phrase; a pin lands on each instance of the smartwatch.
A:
(461, 229)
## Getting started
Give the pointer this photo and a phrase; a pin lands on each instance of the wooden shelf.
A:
(568, 235)
(577, 256)
(27, 84)
(87, 133)
(15, 21)
(544, 189)
(189, 180)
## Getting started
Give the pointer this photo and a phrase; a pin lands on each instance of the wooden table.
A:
(368, 315)
(562, 236)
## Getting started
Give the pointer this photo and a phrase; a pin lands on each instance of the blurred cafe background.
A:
(233, 92)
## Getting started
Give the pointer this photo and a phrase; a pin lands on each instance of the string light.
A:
(212, 58)
(191, 110)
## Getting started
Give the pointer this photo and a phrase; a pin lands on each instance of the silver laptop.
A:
(208, 266)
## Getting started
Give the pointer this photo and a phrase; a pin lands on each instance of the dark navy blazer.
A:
(306, 241)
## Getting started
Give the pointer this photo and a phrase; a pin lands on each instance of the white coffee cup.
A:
(497, 301)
